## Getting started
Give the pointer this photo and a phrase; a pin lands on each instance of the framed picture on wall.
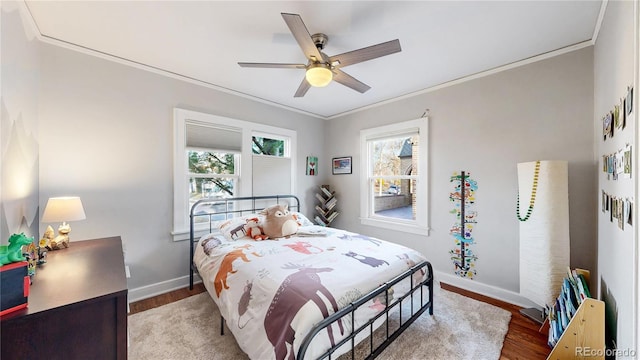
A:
(341, 165)
(312, 165)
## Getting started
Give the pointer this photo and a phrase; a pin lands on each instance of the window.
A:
(221, 157)
(211, 174)
(264, 144)
(271, 164)
(394, 168)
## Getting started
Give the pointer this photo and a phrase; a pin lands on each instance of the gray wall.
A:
(613, 72)
(20, 60)
(106, 135)
(539, 111)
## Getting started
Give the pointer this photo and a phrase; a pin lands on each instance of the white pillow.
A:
(236, 228)
(303, 220)
(210, 241)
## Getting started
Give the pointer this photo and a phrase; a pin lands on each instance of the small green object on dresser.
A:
(13, 252)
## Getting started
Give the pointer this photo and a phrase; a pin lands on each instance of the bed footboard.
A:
(415, 294)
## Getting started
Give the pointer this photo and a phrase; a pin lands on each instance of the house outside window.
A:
(394, 168)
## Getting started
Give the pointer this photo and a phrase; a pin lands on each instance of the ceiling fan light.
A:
(319, 75)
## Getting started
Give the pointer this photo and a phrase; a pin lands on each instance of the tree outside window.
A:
(266, 146)
(211, 174)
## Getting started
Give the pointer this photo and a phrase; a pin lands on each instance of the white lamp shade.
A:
(318, 75)
(68, 208)
(544, 237)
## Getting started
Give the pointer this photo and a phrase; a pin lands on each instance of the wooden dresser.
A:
(77, 306)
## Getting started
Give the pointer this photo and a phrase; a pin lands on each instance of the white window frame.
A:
(245, 173)
(367, 216)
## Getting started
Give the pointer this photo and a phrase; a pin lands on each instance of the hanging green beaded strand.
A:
(534, 188)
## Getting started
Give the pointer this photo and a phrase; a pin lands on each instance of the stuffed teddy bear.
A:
(278, 222)
(254, 230)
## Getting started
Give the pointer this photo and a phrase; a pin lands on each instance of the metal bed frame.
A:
(237, 207)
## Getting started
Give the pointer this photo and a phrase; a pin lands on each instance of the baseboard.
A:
(511, 297)
(484, 289)
(160, 288)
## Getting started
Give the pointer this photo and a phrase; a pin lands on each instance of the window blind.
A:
(213, 137)
(271, 175)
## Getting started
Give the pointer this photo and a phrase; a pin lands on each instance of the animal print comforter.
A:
(272, 292)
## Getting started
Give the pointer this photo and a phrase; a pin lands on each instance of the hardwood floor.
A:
(522, 342)
(150, 303)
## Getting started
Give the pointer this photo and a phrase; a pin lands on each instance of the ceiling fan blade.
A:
(367, 53)
(303, 88)
(349, 81)
(272, 65)
(300, 32)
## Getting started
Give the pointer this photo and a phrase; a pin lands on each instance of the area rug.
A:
(461, 328)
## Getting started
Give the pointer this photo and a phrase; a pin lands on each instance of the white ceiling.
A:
(203, 40)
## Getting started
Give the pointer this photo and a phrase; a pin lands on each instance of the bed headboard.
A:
(238, 206)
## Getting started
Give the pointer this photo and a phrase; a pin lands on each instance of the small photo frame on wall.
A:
(341, 165)
(607, 126)
(312, 165)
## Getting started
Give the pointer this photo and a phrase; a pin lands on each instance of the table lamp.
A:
(67, 208)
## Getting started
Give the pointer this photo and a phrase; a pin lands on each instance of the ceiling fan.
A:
(320, 68)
